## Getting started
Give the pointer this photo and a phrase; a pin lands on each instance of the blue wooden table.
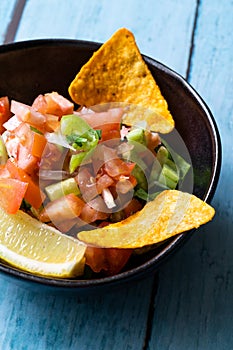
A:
(188, 305)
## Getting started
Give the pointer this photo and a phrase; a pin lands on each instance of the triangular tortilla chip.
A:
(117, 73)
(170, 213)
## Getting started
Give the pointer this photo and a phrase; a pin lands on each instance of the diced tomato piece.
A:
(117, 259)
(103, 182)
(33, 195)
(111, 117)
(64, 208)
(52, 157)
(152, 140)
(94, 210)
(4, 173)
(28, 114)
(102, 154)
(125, 184)
(52, 103)
(52, 122)
(26, 146)
(133, 206)
(66, 226)
(4, 112)
(109, 134)
(110, 260)
(24, 134)
(58, 105)
(12, 194)
(117, 167)
(40, 104)
(38, 146)
(26, 160)
(108, 122)
(133, 180)
(87, 184)
(12, 145)
(12, 123)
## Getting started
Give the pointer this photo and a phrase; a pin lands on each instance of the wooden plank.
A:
(193, 308)
(162, 28)
(6, 11)
(109, 321)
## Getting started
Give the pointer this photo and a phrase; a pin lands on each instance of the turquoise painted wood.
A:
(195, 296)
(152, 22)
(34, 321)
(192, 308)
(6, 12)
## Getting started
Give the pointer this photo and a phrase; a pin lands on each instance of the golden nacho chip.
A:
(170, 213)
(117, 73)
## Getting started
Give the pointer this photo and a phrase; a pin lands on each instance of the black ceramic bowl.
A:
(33, 67)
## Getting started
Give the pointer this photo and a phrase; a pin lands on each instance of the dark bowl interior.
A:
(39, 66)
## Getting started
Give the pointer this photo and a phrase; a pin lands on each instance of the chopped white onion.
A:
(108, 198)
(58, 139)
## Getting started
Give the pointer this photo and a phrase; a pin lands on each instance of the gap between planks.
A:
(192, 44)
(13, 25)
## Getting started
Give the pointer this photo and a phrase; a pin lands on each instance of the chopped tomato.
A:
(26, 160)
(126, 183)
(108, 122)
(4, 112)
(52, 122)
(24, 134)
(12, 123)
(52, 157)
(111, 117)
(12, 194)
(38, 145)
(152, 140)
(4, 173)
(94, 210)
(26, 147)
(66, 226)
(117, 167)
(57, 104)
(53, 106)
(33, 195)
(40, 104)
(64, 208)
(133, 206)
(110, 260)
(109, 134)
(103, 182)
(61, 104)
(27, 114)
(87, 184)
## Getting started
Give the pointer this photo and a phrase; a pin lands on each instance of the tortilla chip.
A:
(170, 213)
(117, 73)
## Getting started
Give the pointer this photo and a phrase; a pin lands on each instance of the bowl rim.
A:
(153, 264)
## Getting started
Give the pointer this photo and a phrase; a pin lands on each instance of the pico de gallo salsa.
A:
(79, 169)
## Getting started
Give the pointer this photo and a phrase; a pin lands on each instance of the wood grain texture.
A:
(116, 320)
(6, 12)
(151, 21)
(193, 308)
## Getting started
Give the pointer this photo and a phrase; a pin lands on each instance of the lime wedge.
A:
(38, 248)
